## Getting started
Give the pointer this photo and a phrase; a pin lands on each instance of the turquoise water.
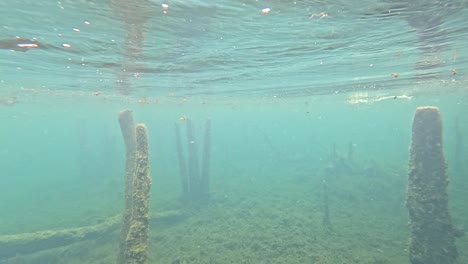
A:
(288, 93)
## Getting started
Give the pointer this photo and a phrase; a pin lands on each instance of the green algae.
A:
(279, 223)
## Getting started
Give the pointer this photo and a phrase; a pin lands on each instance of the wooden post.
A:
(137, 238)
(127, 126)
(432, 236)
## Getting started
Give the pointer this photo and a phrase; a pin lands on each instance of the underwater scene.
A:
(189, 132)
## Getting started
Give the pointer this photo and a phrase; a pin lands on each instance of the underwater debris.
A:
(404, 97)
(339, 164)
(266, 11)
(144, 101)
(8, 101)
(27, 243)
(319, 15)
(365, 98)
(12, 245)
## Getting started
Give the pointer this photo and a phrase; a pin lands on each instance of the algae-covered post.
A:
(135, 219)
(432, 236)
(137, 238)
(127, 126)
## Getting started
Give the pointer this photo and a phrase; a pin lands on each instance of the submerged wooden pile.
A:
(135, 217)
(12, 245)
(27, 243)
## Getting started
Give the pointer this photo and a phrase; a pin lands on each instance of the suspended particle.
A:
(266, 10)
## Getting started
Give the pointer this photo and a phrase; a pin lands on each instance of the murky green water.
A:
(311, 106)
